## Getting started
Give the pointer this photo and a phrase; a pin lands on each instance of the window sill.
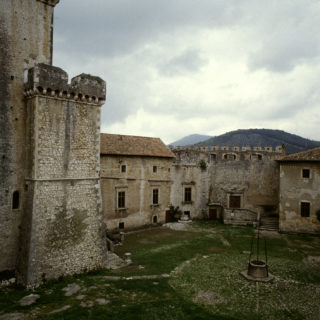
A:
(155, 205)
(122, 209)
(187, 202)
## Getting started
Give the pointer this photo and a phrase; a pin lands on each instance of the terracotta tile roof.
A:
(116, 144)
(309, 155)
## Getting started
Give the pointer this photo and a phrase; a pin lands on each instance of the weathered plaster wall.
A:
(190, 176)
(63, 224)
(138, 182)
(25, 39)
(251, 174)
(294, 189)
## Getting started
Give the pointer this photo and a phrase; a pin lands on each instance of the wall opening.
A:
(306, 173)
(121, 199)
(155, 196)
(121, 225)
(234, 202)
(15, 200)
(155, 219)
(187, 194)
(213, 157)
(305, 209)
(187, 213)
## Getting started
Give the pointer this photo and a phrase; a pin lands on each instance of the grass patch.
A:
(206, 283)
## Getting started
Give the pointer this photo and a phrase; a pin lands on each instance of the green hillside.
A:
(262, 137)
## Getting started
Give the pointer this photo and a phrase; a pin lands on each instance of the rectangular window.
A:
(121, 199)
(187, 194)
(123, 168)
(213, 157)
(155, 169)
(121, 225)
(305, 209)
(234, 202)
(155, 196)
(306, 173)
(15, 200)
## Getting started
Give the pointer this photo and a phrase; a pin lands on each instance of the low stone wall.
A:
(239, 217)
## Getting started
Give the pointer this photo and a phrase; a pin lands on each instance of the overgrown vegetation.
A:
(204, 262)
(175, 213)
(203, 164)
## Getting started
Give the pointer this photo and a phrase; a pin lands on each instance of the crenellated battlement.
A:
(51, 3)
(213, 154)
(277, 149)
(50, 81)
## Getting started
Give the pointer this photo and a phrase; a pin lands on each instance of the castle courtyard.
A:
(183, 271)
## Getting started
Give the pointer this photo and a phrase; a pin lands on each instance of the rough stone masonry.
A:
(51, 222)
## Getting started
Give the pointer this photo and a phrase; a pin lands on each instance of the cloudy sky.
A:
(178, 67)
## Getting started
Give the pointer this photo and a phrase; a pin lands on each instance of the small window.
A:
(187, 194)
(123, 168)
(155, 196)
(234, 202)
(305, 209)
(121, 225)
(155, 219)
(121, 199)
(229, 156)
(306, 173)
(213, 157)
(15, 200)
(155, 169)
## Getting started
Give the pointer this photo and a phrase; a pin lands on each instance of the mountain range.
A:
(252, 137)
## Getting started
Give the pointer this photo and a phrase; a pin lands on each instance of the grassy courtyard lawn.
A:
(198, 277)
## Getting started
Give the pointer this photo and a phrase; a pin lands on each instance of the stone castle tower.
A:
(50, 203)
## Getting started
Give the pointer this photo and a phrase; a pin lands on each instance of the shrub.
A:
(203, 164)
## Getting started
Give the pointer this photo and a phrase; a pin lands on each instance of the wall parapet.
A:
(277, 149)
(50, 81)
(51, 3)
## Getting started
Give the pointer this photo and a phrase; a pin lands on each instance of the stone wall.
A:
(190, 176)
(63, 225)
(295, 189)
(217, 173)
(25, 39)
(138, 183)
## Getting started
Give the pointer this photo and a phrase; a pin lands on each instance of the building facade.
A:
(135, 180)
(236, 185)
(299, 204)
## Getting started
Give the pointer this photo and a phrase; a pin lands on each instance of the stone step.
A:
(269, 223)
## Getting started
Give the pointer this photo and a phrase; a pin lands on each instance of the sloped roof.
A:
(116, 144)
(309, 155)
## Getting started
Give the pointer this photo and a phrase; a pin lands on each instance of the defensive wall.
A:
(51, 221)
(237, 183)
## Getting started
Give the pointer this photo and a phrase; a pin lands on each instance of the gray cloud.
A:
(287, 35)
(188, 61)
(154, 54)
(113, 27)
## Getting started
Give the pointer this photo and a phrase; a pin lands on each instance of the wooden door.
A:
(213, 214)
(169, 217)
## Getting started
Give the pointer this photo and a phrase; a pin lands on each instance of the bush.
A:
(203, 164)
(175, 213)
